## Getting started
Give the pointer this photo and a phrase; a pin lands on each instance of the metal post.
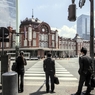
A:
(10, 83)
(92, 31)
(2, 41)
(17, 51)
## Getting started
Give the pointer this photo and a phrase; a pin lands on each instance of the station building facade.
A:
(37, 38)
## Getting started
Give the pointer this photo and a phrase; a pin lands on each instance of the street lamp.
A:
(81, 3)
(92, 30)
(17, 43)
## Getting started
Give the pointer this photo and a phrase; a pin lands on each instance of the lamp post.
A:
(81, 3)
(17, 43)
(92, 31)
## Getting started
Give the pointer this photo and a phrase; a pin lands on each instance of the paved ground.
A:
(37, 87)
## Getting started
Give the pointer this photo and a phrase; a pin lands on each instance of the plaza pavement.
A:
(64, 88)
(38, 87)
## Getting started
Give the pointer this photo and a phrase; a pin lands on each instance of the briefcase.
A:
(56, 80)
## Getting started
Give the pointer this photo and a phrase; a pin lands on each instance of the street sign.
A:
(5, 30)
(5, 40)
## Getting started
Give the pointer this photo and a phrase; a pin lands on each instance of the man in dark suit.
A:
(85, 63)
(49, 69)
(21, 61)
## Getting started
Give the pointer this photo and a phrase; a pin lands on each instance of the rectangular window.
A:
(25, 42)
(7, 44)
(52, 43)
(52, 36)
(34, 42)
(29, 43)
(34, 34)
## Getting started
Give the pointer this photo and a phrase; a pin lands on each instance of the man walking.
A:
(49, 69)
(85, 63)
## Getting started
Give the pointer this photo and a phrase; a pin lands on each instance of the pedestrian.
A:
(21, 61)
(85, 63)
(49, 69)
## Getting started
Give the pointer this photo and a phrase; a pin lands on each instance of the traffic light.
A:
(4, 33)
(72, 12)
(81, 3)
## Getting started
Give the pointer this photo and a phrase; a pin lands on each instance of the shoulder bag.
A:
(56, 80)
(14, 67)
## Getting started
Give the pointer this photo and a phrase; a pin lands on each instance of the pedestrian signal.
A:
(72, 12)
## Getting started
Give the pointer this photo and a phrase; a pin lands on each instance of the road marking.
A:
(36, 73)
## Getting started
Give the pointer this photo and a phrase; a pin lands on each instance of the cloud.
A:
(66, 32)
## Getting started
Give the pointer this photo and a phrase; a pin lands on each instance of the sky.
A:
(53, 12)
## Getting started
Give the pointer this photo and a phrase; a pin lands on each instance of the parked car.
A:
(34, 58)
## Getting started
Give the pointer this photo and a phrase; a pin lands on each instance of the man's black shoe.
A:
(47, 91)
(21, 90)
(52, 91)
(75, 94)
(87, 94)
(92, 88)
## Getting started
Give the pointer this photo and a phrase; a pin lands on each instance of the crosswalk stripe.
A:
(43, 78)
(36, 73)
(44, 75)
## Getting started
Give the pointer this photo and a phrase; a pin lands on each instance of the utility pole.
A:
(72, 18)
(81, 3)
(92, 31)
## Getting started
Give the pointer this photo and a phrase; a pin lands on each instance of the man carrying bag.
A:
(49, 69)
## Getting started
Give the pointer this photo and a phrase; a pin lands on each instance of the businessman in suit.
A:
(49, 69)
(21, 61)
(85, 63)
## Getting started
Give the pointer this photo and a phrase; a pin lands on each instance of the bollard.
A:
(10, 83)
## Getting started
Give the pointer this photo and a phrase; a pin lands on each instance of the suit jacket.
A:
(85, 63)
(49, 65)
(20, 64)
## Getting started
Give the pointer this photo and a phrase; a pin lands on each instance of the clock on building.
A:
(44, 29)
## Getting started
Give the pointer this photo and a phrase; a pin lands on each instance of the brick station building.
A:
(36, 38)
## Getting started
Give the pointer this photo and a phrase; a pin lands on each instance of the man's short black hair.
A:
(49, 54)
(84, 50)
(21, 53)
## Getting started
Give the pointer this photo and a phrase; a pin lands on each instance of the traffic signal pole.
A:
(2, 41)
(72, 18)
(92, 31)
